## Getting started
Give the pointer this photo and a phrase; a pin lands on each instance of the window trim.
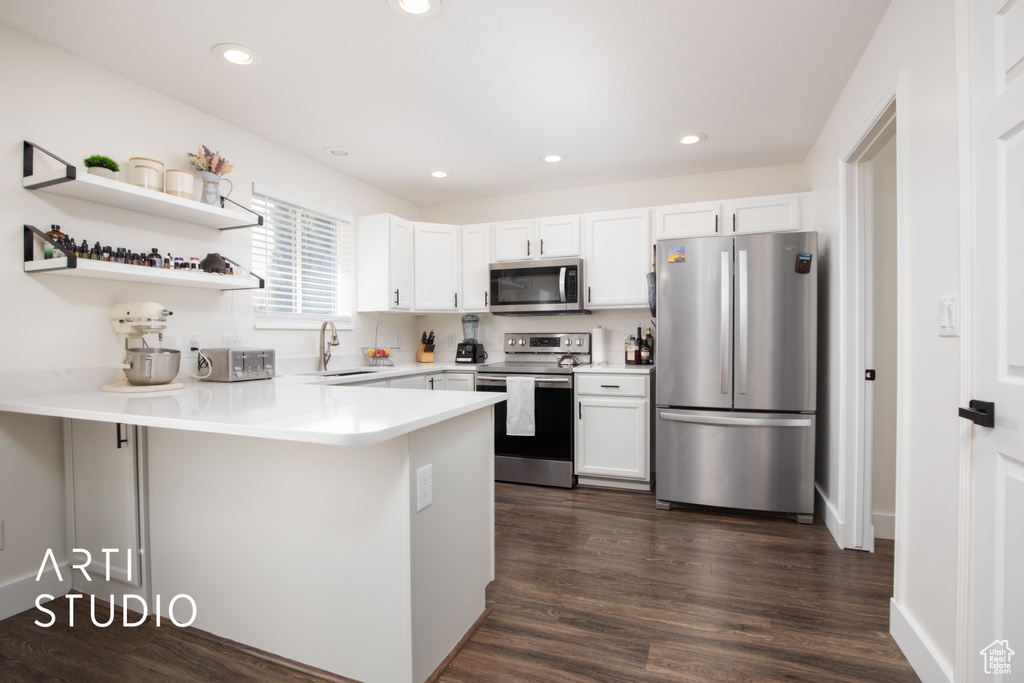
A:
(303, 321)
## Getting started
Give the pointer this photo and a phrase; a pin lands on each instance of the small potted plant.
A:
(211, 166)
(105, 167)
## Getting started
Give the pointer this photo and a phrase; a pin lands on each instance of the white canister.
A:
(598, 352)
(146, 173)
(179, 183)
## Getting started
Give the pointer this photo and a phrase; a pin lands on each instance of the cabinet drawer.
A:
(611, 385)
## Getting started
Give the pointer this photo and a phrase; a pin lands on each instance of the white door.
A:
(400, 264)
(558, 236)
(436, 267)
(764, 214)
(687, 220)
(513, 240)
(997, 472)
(618, 246)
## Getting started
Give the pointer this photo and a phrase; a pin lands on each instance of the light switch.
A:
(949, 316)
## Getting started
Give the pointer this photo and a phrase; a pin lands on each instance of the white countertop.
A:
(293, 408)
(615, 369)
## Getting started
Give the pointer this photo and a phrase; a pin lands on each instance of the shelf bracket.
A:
(259, 218)
(235, 263)
(28, 164)
(29, 247)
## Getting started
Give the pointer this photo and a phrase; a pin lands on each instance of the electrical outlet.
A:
(192, 341)
(230, 341)
(424, 487)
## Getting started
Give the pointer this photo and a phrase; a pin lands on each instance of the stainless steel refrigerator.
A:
(737, 358)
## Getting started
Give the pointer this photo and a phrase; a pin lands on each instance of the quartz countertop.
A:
(615, 368)
(297, 407)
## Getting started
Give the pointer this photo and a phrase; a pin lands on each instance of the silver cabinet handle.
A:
(742, 296)
(542, 247)
(396, 297)
(718, 421)
(527, 247)
(726, 306)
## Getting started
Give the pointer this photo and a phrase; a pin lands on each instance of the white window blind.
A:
(305, 255)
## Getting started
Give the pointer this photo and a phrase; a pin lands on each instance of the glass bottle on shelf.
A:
(649, 342)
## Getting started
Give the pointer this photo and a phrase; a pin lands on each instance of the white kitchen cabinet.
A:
(436, 266)
(106, 504)
(765, 214)
(613, 421)
(513, 240)
(687, 220)
(451, 381)
(552, 237)
(413, 382)
(618, 258)
(384, 263)
(476, 275)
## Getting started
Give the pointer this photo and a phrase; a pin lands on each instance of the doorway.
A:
(870, 425)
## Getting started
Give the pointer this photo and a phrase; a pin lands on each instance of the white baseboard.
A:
(885, 525)
(921, 652)
(823, 506)
(20, 595)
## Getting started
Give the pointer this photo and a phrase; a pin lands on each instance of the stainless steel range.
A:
(546, 458)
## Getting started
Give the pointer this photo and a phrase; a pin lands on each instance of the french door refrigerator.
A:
(737, 357)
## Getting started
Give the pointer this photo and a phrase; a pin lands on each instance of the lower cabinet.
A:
(106, 505)
(613, 419)
(451, 381)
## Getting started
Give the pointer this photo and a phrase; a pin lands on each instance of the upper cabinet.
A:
(554, 237)
(617, 258)
(687, 220)
(476, 259)
(765, 214)
(436, 267)
(384, 263)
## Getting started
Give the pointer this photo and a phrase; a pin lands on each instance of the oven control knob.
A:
(522, 342)
(511, 341)
(579, 341)
(567, 341)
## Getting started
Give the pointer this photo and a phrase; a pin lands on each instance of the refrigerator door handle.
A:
(725, 315)
(723, 421)
(741, 341)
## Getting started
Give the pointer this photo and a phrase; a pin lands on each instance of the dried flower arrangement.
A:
(211, 162)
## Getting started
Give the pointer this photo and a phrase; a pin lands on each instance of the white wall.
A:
(914, 42)
(884, 409)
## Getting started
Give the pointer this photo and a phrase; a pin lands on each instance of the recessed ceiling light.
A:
(337, 151)
(237, 54)
(551, 158)
(693, 138)
(422, 9)
(440, 174)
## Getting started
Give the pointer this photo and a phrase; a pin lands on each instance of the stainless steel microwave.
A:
(536, 287)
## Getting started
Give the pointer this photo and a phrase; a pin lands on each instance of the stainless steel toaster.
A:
(237, 364)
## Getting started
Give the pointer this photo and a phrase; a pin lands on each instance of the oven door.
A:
(547, 457)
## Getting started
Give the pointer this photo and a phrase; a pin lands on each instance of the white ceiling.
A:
(485, 87)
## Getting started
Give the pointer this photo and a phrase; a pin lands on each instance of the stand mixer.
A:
(132, 322)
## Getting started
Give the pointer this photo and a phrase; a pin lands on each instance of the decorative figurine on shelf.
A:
(211, 166)
(105, 167)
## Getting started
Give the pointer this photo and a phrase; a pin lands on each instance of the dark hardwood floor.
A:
(592, 585)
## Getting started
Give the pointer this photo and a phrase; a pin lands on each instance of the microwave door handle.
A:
(561, 284)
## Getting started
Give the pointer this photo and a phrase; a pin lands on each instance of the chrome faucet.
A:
(325, 348)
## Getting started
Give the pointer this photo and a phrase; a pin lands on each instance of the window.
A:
(305, 254)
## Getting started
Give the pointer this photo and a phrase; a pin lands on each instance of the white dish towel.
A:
(519, 404)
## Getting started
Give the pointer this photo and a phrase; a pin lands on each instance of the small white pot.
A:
(101, 172)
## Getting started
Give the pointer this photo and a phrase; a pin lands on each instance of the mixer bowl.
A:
(147, 366)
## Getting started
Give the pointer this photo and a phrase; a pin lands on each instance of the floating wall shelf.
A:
(71, 181)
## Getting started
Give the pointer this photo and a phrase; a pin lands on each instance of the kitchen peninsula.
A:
(287, 509)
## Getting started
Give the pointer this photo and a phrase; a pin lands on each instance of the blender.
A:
(470, 350)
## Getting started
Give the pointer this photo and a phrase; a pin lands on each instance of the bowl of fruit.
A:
(378, 356)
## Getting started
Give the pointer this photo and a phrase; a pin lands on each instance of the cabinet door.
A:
(513, 240)
(436, 267)
(558, 237)
(765, 214)
(104, 487)
(612, 437)
(476, 257)
(618, 245)
(400, 263)
(687, 220)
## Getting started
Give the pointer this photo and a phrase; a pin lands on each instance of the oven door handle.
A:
(539, 382)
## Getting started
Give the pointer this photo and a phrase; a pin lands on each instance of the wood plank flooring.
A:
(592, 585)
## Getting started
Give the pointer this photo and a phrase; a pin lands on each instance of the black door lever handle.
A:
(981, 413)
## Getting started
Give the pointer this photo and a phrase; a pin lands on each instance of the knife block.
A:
(422, 355)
